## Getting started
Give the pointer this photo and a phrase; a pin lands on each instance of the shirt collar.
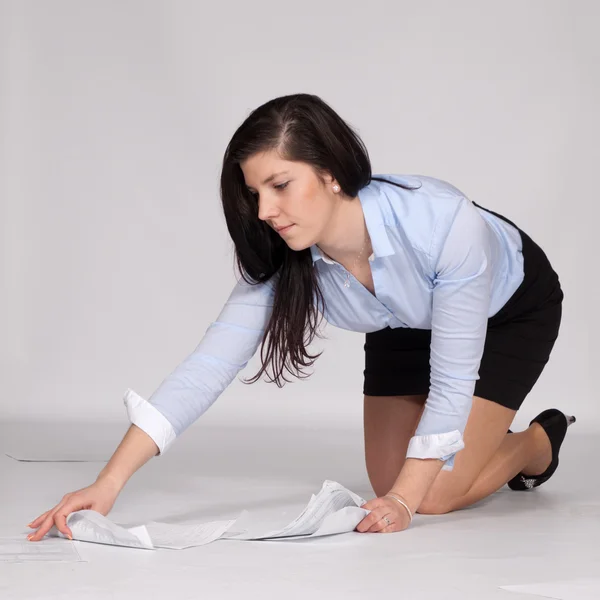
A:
(369, 197)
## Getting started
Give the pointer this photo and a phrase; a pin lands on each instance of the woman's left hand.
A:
(382, 507)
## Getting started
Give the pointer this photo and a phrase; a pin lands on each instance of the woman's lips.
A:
(280, 231)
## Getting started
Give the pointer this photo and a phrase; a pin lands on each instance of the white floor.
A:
(548, 534)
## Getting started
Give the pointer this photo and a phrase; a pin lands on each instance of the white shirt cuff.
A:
(149, 420)
(439, 445)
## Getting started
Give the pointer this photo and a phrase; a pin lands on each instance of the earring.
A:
(336, 187)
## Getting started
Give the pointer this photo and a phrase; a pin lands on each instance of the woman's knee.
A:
(445, 493)
(435, 506)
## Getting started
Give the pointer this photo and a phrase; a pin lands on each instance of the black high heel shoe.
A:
(555, 425)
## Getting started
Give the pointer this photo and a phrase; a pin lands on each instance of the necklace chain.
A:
(348, 271)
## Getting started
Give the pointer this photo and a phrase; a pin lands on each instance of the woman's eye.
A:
(281, 186)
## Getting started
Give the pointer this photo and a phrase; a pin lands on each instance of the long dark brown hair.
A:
(302, 128)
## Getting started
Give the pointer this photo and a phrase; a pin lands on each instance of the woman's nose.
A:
(267, 208)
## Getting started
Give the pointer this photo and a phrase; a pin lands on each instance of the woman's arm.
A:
(195, 384)
(461, 268)
(415, 479)
(134, 451)
(182, 397)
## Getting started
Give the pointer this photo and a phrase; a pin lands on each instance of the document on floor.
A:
(57, 457)
(91, 526)
(334, 510)
(569, 589)
(18, 549)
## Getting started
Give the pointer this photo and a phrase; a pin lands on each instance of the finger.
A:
(35, 523)
(45, 526)
(373, 504)
(60, 520)
(376, 527)
(42, 518)
(381, 524)
(370, 520)
(58, 517)
(365, 524)
(43, 529)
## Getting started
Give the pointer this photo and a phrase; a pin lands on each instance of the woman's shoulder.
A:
(418, 213)
(417, 189)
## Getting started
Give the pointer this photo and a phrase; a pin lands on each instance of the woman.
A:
(460, 309)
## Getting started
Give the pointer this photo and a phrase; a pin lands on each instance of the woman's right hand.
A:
(136, 448)
(100, 496)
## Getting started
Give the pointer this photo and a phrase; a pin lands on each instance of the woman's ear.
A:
(326, 178)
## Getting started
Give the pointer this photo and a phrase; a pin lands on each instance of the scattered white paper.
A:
(13, 549)
(344, 520)
(178, 536)
(91, 526)
(335, 509)
(573, 589)
(56, 457)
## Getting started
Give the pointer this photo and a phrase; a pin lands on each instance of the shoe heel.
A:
(550, 420)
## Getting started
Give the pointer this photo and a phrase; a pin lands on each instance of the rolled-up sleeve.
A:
(461, 298)
(225, 349)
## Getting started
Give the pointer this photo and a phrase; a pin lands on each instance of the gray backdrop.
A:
(114, 117)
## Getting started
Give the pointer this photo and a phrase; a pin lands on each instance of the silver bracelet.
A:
(389, 495)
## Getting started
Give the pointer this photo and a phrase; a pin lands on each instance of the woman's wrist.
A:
(415, 479)
(112, 479)
(400, 500)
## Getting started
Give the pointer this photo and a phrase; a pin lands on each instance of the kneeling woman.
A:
(459, 307)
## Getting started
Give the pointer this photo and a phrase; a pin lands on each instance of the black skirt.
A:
(517, 347)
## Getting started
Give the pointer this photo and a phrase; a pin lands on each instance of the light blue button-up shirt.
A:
(439, 262)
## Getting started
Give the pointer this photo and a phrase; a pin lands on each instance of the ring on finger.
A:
(387, 521)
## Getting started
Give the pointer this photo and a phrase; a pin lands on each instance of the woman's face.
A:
(290, 196)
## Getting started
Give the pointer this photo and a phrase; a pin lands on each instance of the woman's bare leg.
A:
(491, 457)
(389, 423)
(529, 452)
